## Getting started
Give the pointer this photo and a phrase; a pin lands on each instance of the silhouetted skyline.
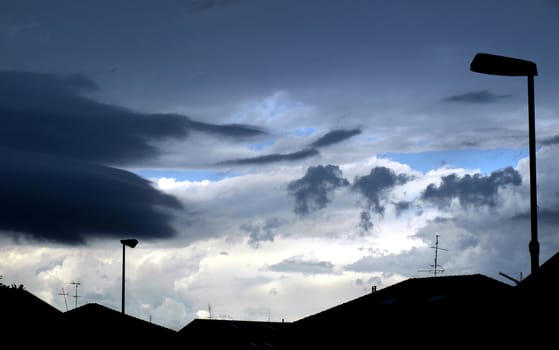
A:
(274, 157)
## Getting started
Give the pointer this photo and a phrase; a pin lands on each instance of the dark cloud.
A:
(473, 190)
(335, 136)
(51, 114)
(549, 217)
(365, 221)
(373, 186)
(273, 158)
(55, 199)
(260, 232)
(312, 191)
(402, 206)
(230, 130)
(302, 265)
(550, 141)
(329, 138)
(482, 96)
(545, 217)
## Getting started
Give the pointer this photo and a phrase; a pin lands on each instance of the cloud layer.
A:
(304, 265)
(273, 158)
(57, 145)
(49, 198)
(471, 190)
(335, 136)
(51, 114)
(185, 85)
(481, 96)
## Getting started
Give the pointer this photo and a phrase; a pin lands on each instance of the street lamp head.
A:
(129, 242)
(501, 65)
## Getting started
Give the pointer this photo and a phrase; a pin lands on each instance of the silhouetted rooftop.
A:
(99, 324)
(467, 307)
(22, 313)
(419, 292)
(233, 334)
(401, 314)
(546, 277)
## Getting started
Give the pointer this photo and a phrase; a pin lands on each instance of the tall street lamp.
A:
(508, 66)
(131, 243)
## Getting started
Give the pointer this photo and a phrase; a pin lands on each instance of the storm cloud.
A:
(335, 136)
(261, 232)
(58, 148)
(471, 190)
(330, 138)
(52, 114)
(550, 141)
(365, 221)
(482, 96)
(402, 206)
(314, 190)
(273, 158)
(55, 199)
(373, 186)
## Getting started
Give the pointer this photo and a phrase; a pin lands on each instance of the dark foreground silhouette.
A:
(437, 312)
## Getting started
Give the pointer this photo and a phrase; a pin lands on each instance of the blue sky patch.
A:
(302, 132)
(487, 160)
(186, 175)
(260, 146)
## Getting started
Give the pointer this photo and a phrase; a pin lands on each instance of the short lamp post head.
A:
(500, 65)
(129, 242)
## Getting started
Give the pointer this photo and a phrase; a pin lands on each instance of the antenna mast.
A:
(76, 296)
(436, 267)
(64, 294)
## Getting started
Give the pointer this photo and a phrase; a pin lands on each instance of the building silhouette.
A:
(442, 312)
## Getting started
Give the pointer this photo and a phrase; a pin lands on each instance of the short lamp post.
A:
(507, 66)
(131, 243)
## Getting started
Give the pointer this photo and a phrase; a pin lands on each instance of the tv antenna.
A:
(511, 278)
(76, 296)
(64, 294)
(435, 268)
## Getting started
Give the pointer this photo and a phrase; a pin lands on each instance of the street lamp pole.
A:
(534, 245)
(123, 276)
(131, 243)
(508, 66)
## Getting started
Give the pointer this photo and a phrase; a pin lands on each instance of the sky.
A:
(274, 158)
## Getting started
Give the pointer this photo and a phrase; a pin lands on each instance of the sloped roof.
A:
(407, 313)
(233, 334)
(23, 312)
(545, 278)
(420, 292)
(18, 302)
(102, 325)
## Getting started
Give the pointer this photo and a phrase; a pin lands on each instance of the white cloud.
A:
(212, 262)
(298, 87)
